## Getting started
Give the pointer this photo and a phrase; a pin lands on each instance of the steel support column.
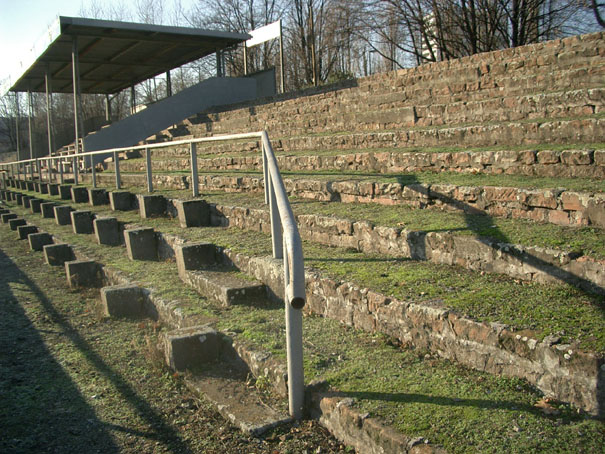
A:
(168, 84)
(17, 121)
(49, 115)
(75, 63)
(30, 114)
(107, 109)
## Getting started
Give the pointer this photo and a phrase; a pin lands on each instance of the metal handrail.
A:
(286, 246)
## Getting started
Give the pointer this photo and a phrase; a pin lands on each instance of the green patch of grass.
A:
(585, 240)
(577, 317)
(462, 410)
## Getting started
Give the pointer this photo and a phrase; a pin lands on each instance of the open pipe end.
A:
(298, 303)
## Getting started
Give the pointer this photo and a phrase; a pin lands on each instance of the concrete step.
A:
(221, 377)
(227, 286)
(584, 161)
(333, 293)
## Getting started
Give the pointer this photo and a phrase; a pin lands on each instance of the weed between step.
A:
(202, 154)
(583, 240)
(73, 380)
(575, 316)
(455, 178)
(588, 241)
(463, 410)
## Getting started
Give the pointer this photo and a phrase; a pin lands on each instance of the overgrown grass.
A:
(205, 152)
(575, 316)
(582, 240)
(463, 410)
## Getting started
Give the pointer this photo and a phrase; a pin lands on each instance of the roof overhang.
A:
(114, 55)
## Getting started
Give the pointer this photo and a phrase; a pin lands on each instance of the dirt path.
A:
(73, 382)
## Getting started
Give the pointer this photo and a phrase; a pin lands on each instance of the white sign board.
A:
(266, 33)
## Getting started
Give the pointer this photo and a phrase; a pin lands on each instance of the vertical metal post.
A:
(168, 85)
(93, 171)
(194, 174)
(245, 59)
(133, 99)
(276, 233)
(61, 177)
(281, 60)
(17, 121)
(75, 73)
(148, 169)
(49, 112)
(294, 348)
(219, 63)
(116, 162)
(107, 108)
(30, 110)
(75, 168)
(39, 169)
(265, 173)
(31, 169)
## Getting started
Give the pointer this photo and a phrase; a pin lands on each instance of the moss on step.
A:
(582, 240)
(575, 316)
(462, 410)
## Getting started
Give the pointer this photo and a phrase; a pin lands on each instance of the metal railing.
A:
(286, 240)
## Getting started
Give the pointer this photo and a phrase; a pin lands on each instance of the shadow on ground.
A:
(42, 408)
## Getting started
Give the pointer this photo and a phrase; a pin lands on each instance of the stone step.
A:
(406, 114)
(580, 130)
(227, 286)
(575, 161)
(199, 268)
(548, 205)
(221, 377)
(445, 91)
(339, 300)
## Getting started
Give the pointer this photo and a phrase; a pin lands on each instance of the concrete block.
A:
(25, 201)
(18, 198)
(4, 211)
(37, 186)
(193, 213)
(191, 347)
(97, 197)
(37, 241)
(107, 231)
(123, 301)
(48, 209)
(34, 205)
(62, 214)
(195, 256)
(16, 222)
(24, 230)
(43, 188)
(141, 244)
(151, 205)
(79, 194)
(58, 254)
(65, 191)
(53, 189)
(81, 221)
(7, 217)
(83, 273)
(29, 185)
(121, 201)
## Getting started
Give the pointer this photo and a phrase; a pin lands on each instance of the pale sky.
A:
(22, 22)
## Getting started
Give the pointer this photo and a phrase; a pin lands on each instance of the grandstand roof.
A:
(114, 55)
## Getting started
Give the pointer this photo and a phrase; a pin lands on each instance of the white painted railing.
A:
(286, 240)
